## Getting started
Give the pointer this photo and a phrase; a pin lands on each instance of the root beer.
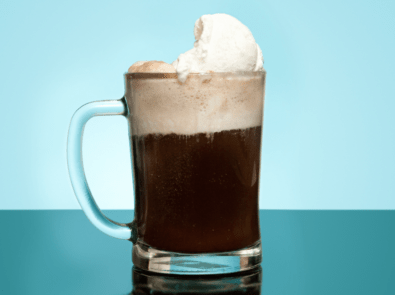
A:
(196, 154)
(198, 193)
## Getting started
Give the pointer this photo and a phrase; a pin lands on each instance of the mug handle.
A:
(76, 169)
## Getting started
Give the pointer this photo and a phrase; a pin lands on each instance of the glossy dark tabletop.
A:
(304, 252)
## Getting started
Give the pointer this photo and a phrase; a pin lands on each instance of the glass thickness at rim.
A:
(150, 75)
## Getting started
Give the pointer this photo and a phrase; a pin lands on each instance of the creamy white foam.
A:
(190, 103)
(203, 104)
(223, 44)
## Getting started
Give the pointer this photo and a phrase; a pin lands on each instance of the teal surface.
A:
(304, 252)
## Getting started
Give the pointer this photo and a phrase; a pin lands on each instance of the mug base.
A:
(165, 262)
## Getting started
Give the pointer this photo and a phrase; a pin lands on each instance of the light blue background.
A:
(329, 121)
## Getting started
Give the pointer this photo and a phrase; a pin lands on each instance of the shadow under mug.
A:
(196, 161)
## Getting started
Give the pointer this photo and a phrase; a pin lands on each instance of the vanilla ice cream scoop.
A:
(223, 44)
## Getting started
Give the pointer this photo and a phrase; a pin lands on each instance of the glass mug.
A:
(195, 150)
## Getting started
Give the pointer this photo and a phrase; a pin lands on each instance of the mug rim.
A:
(158, 75)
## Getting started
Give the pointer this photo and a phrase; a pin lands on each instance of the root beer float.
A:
(196, 138)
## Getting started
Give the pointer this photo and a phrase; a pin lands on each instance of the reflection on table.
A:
(243, 283)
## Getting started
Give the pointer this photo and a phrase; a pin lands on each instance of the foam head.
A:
(160, 104)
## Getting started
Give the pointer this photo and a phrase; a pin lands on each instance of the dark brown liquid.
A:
(197, 193)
